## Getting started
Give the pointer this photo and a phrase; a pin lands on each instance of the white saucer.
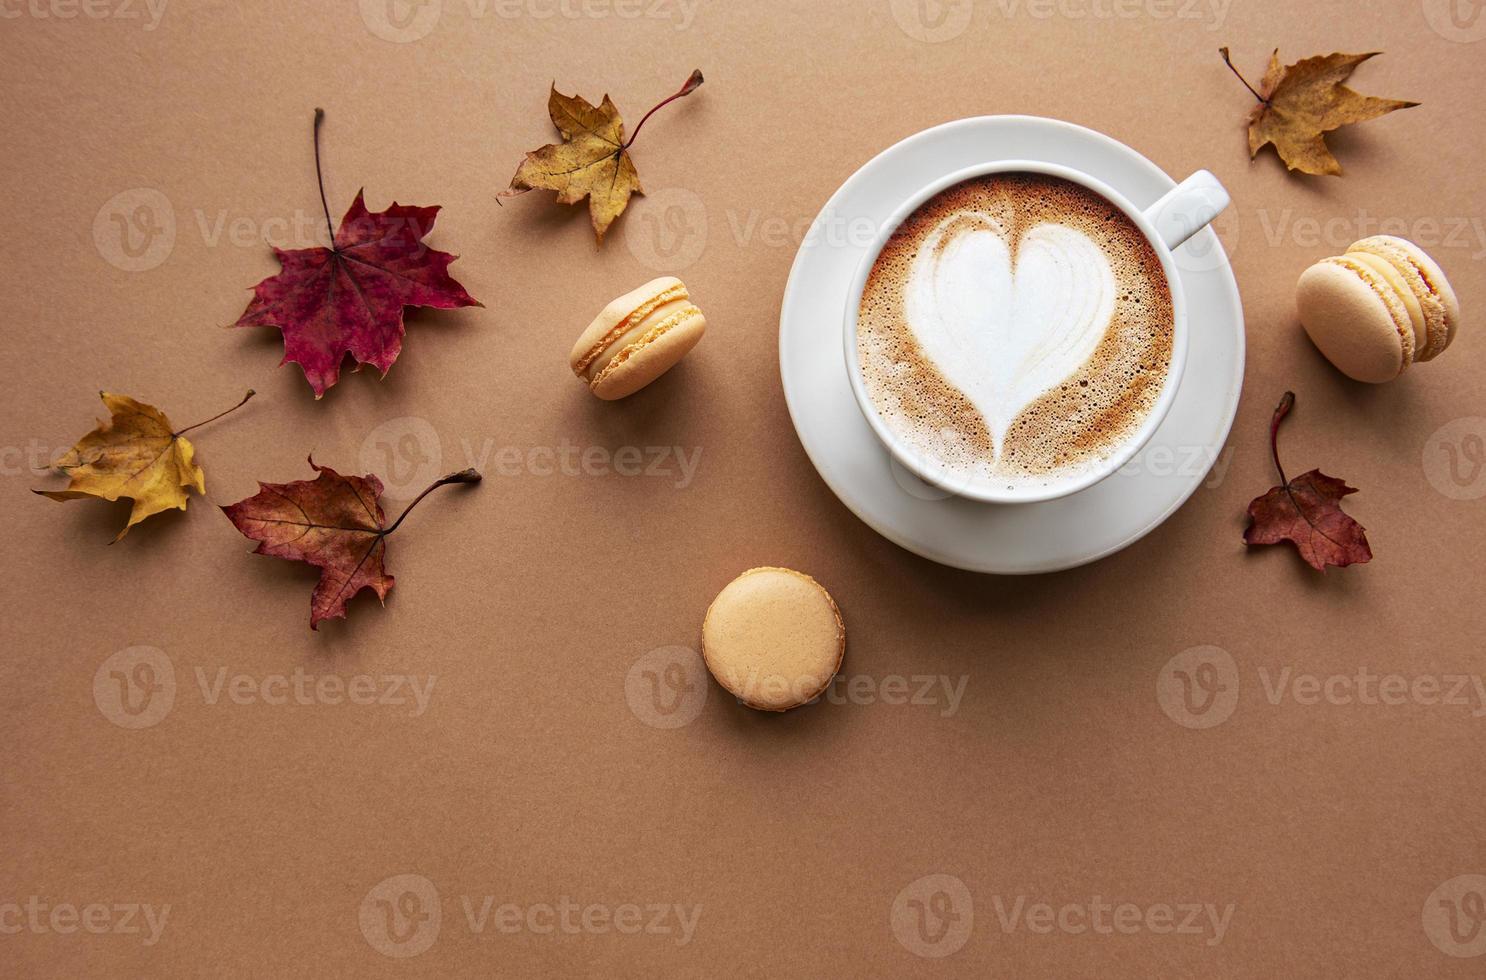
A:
(1003, 539)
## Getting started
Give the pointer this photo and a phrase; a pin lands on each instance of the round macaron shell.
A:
(642, 362)
(773, 638)
(1348, 318)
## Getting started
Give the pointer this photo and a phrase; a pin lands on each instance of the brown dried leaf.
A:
(593, 160)
(1300, 103)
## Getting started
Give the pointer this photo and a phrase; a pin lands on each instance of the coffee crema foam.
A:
(1016, 328)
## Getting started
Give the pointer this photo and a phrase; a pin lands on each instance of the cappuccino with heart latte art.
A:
(1017, 328)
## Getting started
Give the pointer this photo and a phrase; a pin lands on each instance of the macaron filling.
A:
(1390, 274)
(627, 330)
(626, 351)
(1422, 283)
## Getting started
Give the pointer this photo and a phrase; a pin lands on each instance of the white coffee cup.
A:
(1167, 224)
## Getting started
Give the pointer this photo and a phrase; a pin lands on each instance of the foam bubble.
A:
(1016, 328)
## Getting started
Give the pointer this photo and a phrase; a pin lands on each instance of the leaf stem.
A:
(1287, 402)
(320, 177)
(1227, 60)
(692, 83)
(250, 394)
(463, 476)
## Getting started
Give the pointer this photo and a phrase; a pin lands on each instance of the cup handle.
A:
(1188, 208)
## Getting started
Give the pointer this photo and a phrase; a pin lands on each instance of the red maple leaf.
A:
(333, 522)
(1306, 511)
(349, 298)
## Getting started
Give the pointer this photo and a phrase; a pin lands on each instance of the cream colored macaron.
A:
(1382, 306)
(637, 338)
(774, 638)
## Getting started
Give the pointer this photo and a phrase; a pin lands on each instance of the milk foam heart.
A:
(1006, 321)
(1015, 328)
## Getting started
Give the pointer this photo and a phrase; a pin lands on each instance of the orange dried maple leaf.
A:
(136, 455)
(1300, 103)
(593, 159)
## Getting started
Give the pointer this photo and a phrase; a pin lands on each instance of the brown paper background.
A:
(532, 776)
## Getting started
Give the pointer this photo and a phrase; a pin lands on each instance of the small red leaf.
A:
(332, 522)
(1306, 511)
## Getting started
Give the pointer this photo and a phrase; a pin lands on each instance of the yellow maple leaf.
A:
(137, 455)
(593, 160)
(1300, 103)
